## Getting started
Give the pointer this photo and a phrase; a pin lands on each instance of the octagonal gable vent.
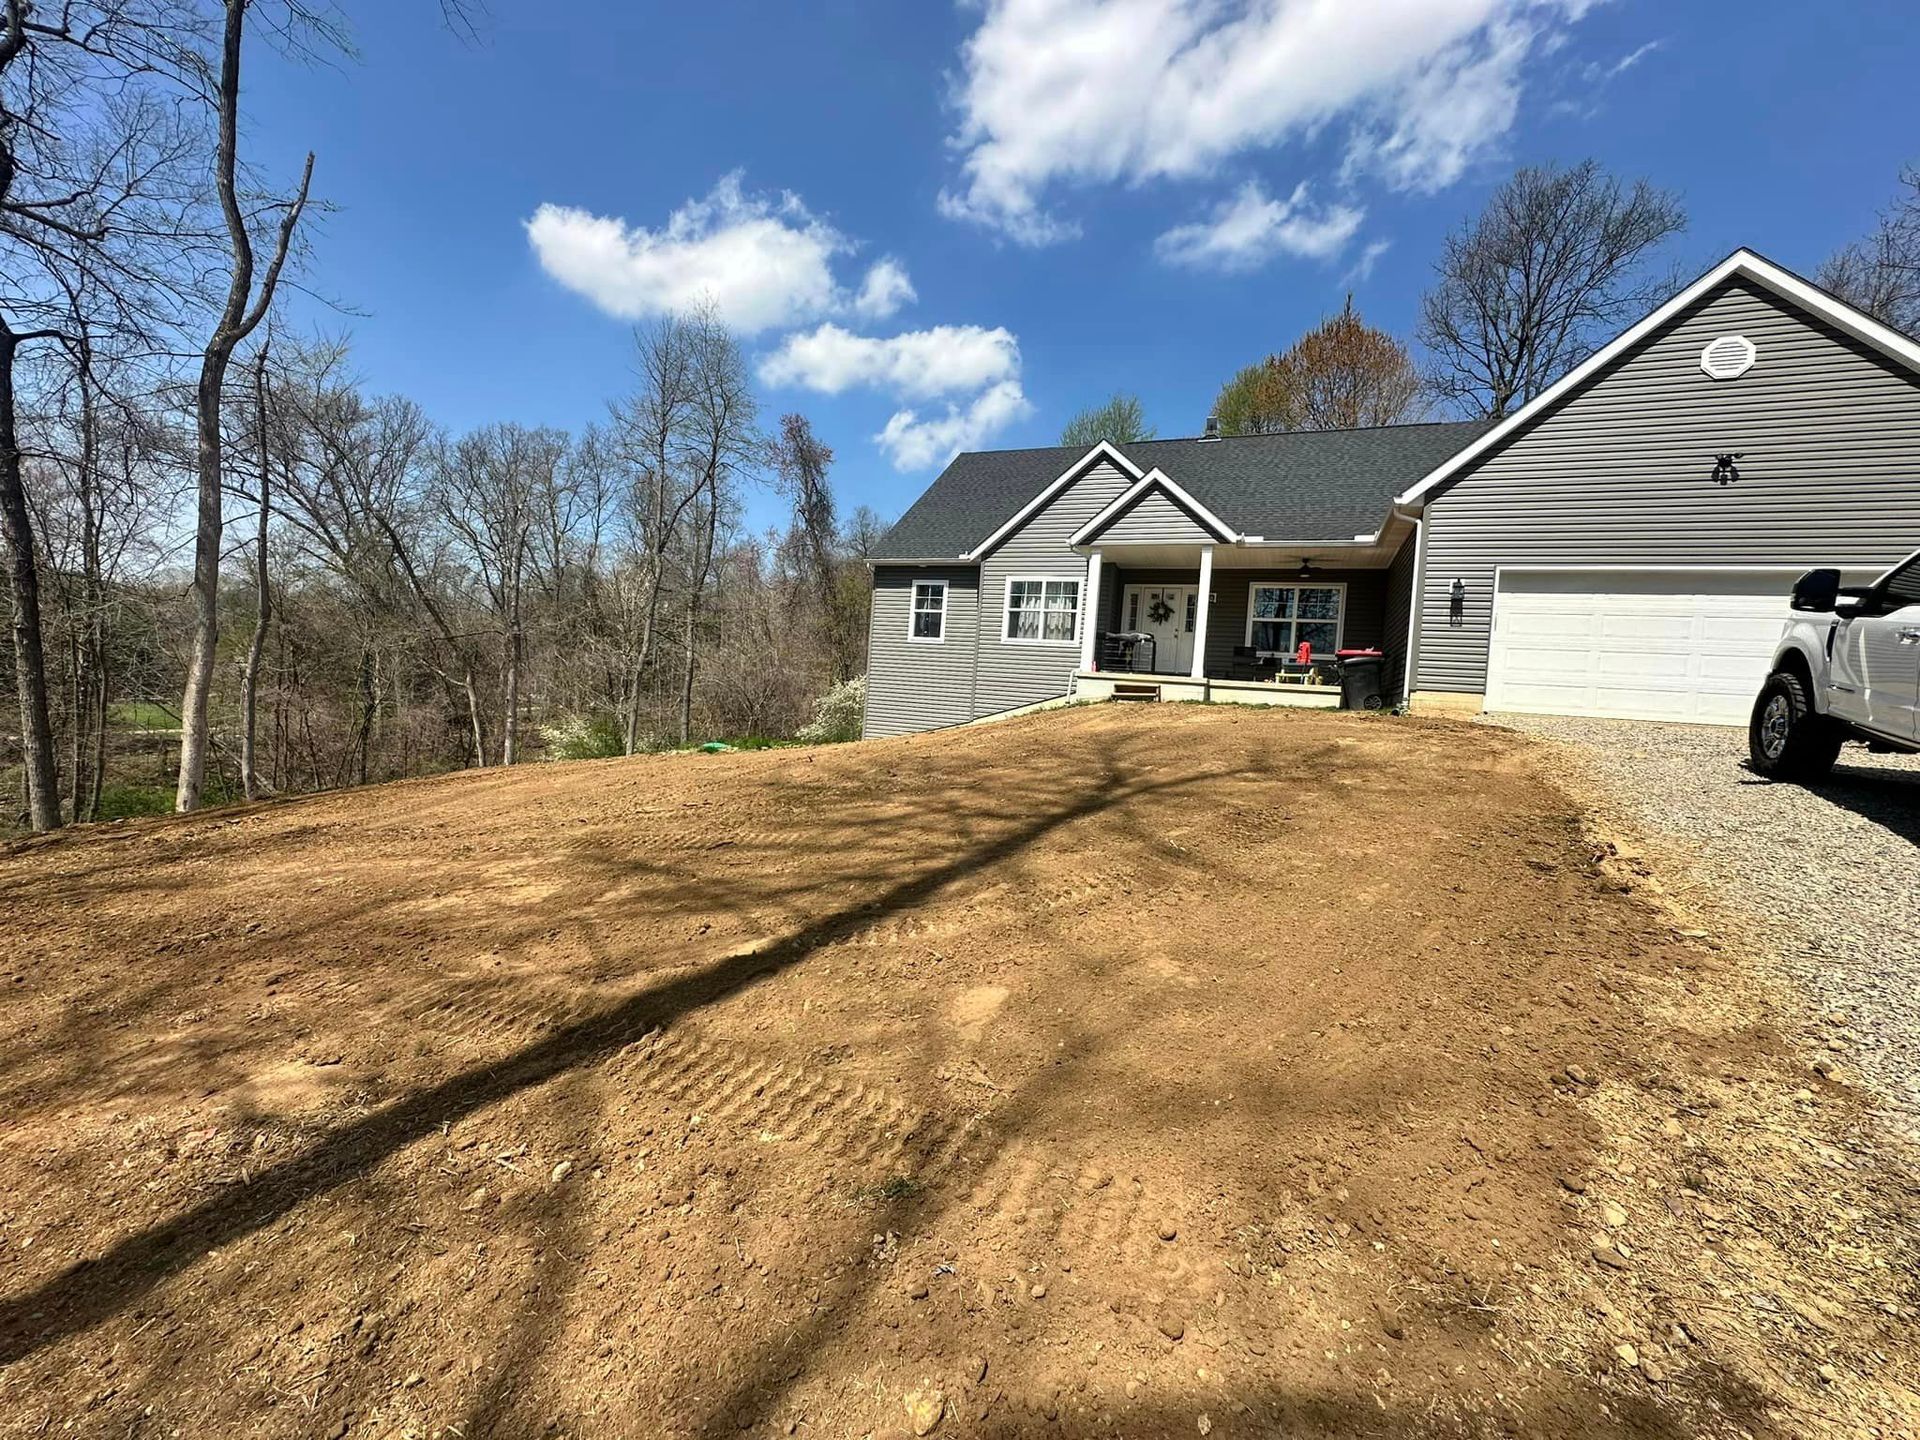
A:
(1728, 357)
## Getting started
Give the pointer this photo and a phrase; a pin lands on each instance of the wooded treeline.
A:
(232, 570)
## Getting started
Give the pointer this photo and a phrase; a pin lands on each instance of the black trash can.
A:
(1360, 680)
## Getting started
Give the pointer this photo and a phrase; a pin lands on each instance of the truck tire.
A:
(1787, 739)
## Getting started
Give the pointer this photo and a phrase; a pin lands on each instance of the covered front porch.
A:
(1230, 624)
(1121, 685)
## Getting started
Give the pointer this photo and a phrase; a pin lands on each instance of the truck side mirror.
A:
(1817, 591)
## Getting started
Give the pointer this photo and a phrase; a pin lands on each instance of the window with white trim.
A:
(928, 620)
(1280, 617)
(1043, 611)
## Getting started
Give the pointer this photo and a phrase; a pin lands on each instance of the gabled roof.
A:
(1742, 264)
(1155, 482)
(1306, 485)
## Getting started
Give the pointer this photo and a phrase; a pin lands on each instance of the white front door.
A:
(1167, 613)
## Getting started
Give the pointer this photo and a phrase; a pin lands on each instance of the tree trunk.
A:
(263, 612)
(23, 574)
(473, 713)
(194, 736)
(656, 564)
(369, 707)
(241, 313)
(510, 742)
(703, 549)
(90, 742)
(686, 676)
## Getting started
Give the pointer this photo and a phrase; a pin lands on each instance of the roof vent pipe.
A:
(1213, 428)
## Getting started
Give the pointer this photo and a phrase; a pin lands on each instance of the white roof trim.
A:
(1104, 450)
(1146, 482)
(1742, 263)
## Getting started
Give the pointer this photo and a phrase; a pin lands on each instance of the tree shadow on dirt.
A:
(90, 1291)
(765, 882)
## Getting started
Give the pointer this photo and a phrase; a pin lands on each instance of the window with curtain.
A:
(1282, 616)
(1043, 611)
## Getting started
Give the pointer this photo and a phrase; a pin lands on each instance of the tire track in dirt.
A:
(779, 1100)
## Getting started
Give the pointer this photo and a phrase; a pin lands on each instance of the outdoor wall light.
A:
(1457, 603)
(1725, 472)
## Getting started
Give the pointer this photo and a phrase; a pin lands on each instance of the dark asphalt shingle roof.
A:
(1305, 485)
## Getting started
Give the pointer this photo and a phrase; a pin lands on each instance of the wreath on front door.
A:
(1159, 612)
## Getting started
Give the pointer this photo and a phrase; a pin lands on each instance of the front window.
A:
(929, 610)
(1903, 586)
(1282, 617)
(1043, 612)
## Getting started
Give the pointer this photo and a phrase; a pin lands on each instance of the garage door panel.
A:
(1629, 668)
(1673, 630)
(1667, 645)
(1546, 624)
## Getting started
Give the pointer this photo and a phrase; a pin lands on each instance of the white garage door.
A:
(1688, 645)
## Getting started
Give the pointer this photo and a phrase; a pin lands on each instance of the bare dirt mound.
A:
(1157, 1070)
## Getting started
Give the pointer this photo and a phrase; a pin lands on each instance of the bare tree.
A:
(86, 156)
(243, 311)
(722, 442)
(263, 590)
(496, 487)
(1556, 260)
(650, 429)
(1881, 272)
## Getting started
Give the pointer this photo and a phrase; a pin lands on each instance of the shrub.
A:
(123, 801)
(837, 715)
(584, 737)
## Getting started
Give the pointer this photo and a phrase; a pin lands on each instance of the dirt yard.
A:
(1121, 1071)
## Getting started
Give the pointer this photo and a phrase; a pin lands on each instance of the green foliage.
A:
(1341, 375)
(893, 1188)
(1260, 400)
(122, 802)
(1120, 421)
(584, 737)
(837, 715)
(141, 715)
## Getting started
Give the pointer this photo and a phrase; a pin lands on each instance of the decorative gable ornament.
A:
(1728, 357)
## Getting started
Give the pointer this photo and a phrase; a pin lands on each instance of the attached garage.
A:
(1623, 545)
(1688, 645)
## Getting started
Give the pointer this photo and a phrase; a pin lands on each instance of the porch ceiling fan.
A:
(1306, 568)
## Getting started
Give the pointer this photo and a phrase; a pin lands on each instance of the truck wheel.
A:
(1788, 739)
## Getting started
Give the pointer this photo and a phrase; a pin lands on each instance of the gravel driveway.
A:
(1831, 874)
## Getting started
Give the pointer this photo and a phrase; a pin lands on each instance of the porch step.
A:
(1123, 690)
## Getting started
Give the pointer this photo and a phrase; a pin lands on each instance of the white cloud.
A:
(1624, 63)
(762, 261)
(916, 364)
(1362, 269)
(1245, 232)
(1062, 92)
(1448, 113)
(886, 289)
(913, 443)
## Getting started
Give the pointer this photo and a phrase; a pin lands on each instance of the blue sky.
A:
(957, 225)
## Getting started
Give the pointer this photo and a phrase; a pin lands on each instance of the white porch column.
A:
(1200, 613)
(1090, 611)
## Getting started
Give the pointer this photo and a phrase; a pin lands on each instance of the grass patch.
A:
(142, 715)
(893, 1188)
(123, 802)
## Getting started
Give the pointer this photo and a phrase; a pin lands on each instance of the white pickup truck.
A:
(1848, 668)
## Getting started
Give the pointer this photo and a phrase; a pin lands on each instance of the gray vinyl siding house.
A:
(1590, 554)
